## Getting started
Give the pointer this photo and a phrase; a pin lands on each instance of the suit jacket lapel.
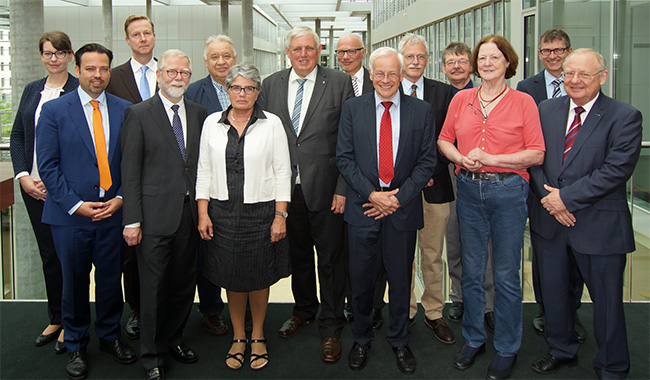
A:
(81, 123)
(282, 92)
(557, 140)
(115, 119)
(404, 123)
(317, 94)
(159, 116)
(370, 119)
(129, 80)
(587, 128)
(192, 134)
(211, 93)
(540, 87)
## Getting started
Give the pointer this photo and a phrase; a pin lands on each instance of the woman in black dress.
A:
(243, 189)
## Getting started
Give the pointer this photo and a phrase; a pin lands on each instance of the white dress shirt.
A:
(550, 87)
(151, 73)
(407, 86)
(395, 125)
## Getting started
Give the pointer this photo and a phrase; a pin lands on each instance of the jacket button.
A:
(96, 187)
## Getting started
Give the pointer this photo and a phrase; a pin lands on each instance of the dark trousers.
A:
(79, 248)
(603, 275)
(209, 293)
(322, 229)
(370, 247)
(131, 277)
(167, 266)
(51, 263)
(380, 284)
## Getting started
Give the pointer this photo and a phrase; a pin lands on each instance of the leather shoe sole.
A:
(330, 350)
(463, 362)
(550, 364)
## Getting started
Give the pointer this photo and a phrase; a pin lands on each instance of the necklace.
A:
(488, 102)
(232, 116)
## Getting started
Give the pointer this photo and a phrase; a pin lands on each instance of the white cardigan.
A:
(267, 165)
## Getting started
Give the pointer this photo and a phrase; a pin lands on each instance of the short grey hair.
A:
(173, 53)
(411, 38)
(244, 70)
(219, 38)
(602, 64)
(300, 31)
(458, 48)
(383, 52)
(356, 37)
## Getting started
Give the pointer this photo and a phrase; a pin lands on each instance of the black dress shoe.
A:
(550, 364)
(377, 319)
(42, 339)
(501, 373)
(489, 321)
(405, 359)
(77, 367)
(120, 351)
(358, 356)
(214, 323)
(538, 322)
(347, 312)
(132, 327)
(456, 311)
(156, 373)
(581, 332)
(463, 362)
(183, 354)
(59, 347)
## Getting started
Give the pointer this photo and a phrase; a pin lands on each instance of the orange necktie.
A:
(105, 180)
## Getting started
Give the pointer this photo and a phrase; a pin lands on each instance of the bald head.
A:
(350, 52)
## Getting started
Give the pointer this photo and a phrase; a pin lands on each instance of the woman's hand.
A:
(205, 227)
(35, 188)
(278, 229)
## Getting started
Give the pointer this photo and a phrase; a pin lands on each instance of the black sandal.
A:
(239, 356)
(256, 357)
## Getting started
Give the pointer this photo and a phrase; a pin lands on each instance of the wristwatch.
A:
(283, 214)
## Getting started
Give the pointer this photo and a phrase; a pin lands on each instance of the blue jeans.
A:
(492, 209)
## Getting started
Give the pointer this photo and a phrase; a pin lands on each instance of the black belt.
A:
(384, 188)
(485, 176)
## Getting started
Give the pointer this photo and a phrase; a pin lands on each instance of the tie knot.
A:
(579, 110)
(144, 69)
(557, 81)
(414, 87)
(387, 104)
(302, 81)
(95, 104)
(175, 108)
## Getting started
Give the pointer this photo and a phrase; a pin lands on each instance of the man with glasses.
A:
(581, 218)
(350, 52)
(160, 148)
(437, 193)
(554, 47)
(457, 66)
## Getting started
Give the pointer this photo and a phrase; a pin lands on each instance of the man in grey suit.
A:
(160, 148)
(309, 98)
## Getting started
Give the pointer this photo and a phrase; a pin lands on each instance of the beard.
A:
(174, 92)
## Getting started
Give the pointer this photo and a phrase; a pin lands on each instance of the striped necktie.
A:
(572, 132)
(297, 106)
(355, 86)
(557, 90)
(414, 90)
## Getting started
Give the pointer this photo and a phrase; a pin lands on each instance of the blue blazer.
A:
(356, 157)
(534, 86)
(22, 133)
(202, 92)
(593, 177)
(66, 158)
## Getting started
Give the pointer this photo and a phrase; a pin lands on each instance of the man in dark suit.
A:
(554, 47)
(386, 154)
(438, 191)
(308, 99)
(160, 147)
(135, 81)
(581, 216)
(350, 53)
(77, 143)
(219, 55)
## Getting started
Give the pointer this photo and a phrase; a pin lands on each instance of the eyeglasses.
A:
(60, 54)
(419, 57)
(584, 76)
(460, 62)
(381, 76)
(173, 73)
(557, 51)
(248, 90)
(350, 52)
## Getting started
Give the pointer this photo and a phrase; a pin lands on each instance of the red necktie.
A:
(386, 171)
(572, 132)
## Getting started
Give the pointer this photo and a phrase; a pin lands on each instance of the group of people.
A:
(233, 182)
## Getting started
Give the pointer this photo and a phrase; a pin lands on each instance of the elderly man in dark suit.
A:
(77, 144)
(580, 216)
(386, 154)
(438, 191)
(554, 47)
(160, 148)
(135, 81)
(308, 99)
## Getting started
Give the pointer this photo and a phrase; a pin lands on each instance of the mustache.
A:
(177, 83)
(415, 66)
(454, 71)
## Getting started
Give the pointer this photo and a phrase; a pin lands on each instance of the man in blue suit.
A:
(78, 146)
(386, 156)
(582, 217)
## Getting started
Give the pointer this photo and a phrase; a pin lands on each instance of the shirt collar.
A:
(407, 85)
(168, 104)
(587, 106)
(395, 100)
(135, 65)
(311, 77)
(85, 98)
(359, 74)
(218, 85)
(549, 78)
(258, 113)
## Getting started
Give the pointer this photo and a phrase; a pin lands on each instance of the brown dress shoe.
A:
(330, 350)
(214, 323)
(441, 330)
(292, 326)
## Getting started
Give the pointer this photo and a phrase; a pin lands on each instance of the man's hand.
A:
(89, 209)
(132, 235)
(430, 183)
(107, 209)
(555, 206)
(383, 203)
(33, 187)
(338, 204)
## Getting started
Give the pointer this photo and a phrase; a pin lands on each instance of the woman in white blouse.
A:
(56, 52)
(243, 188)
